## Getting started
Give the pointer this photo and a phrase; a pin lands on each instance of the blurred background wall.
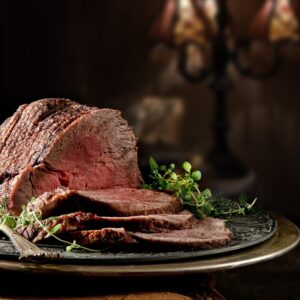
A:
(100, 53)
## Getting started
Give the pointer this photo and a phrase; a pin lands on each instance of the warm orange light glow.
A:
(284, 24)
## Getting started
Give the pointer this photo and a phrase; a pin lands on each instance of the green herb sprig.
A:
(185, 185)
(28, 217)
(226, 207)
(53, 230)
(5, 216)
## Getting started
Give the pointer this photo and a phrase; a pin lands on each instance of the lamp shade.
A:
(277, 21)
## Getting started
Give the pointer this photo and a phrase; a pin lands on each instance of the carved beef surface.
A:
(57, 142)
(107, 202)
(49, 202)
(81, 220)
(170, 231)
(206, 233)
(103, 237)
(131, 202)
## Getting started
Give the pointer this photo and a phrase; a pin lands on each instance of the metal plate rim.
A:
(286, 238)
(163, 256)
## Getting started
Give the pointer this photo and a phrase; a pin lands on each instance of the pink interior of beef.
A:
(87, 157)
(127, 194)
(131, 201)
(107, 202)
(206, 233)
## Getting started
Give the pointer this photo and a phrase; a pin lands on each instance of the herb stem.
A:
(61, 240)
(201, 203)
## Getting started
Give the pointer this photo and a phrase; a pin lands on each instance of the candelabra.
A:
(202, 33)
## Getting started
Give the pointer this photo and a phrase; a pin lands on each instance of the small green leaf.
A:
(69, 248)
(10, 221)
(206, 193)
(165, 185)
(72, 246)
(172, 166)
(153, 164)
(187, 166)
(186, 197)
(3, 202)
(207, 208)
(55, 229)
(173, 176)
(196, 175)
(200, 199)
(146, 186)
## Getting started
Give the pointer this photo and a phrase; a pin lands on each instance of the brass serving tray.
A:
(285, 239)
(247, 231)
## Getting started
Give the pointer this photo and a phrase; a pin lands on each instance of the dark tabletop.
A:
(275, 279)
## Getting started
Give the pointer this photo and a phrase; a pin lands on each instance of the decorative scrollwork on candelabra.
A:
(202, 33)
(197, 27)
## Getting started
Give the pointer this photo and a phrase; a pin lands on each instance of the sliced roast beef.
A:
(74, 221)
(132, 202)
(81, 220)
(107, 202)
(49, 202)
(206, 233)
(88, 229)
(148, 223)
(56, 142)
(105, 236)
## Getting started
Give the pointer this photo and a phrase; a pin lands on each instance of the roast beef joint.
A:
(80, 164)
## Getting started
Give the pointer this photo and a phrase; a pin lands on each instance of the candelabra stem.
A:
(222, 161)
(220, 125)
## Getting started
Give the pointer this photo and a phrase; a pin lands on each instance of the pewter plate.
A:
(247, 230)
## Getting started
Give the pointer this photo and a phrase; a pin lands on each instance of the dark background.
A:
(100, 53)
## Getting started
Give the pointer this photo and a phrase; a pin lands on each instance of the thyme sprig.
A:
(28, 217)
(185, 185)
(224, 207)
(53, 230)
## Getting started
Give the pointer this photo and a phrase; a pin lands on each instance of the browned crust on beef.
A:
(132, 202)
(49, 201)
(206, 233)
(107, 202)
(8, 125)
(28, 134)
(149, 223)
(82, 220)
(38, 126)
(33, 134)
(74, 221)
(157, 230)
(105, 236)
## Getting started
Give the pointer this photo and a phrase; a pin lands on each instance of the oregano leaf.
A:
(55, 228)
(153, 164)
(187, 166)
